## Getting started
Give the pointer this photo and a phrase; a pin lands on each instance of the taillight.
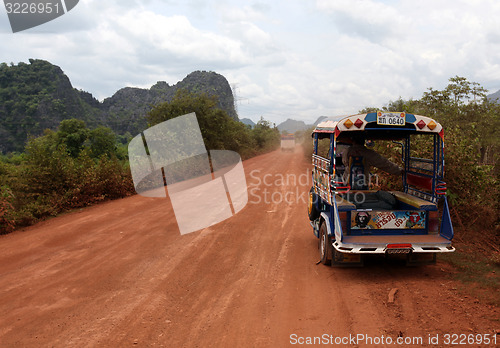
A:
(399, 246)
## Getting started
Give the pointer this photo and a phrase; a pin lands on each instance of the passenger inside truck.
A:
(358, 160)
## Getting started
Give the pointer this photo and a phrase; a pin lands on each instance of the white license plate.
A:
(391, 118)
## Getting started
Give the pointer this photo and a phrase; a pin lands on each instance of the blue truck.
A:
(352, 219)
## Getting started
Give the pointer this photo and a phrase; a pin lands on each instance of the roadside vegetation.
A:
(74, 166)
(472, 143)
(65, 169)
(477, 272)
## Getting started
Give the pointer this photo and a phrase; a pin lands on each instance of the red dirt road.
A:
(120, 274)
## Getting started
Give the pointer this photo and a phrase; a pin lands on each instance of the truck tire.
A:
(312, 208)
(325, 245)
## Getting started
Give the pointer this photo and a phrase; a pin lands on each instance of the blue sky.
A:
(296, 59)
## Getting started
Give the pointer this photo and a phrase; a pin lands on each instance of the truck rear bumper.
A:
(383, 244)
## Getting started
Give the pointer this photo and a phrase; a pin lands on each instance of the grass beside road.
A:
(479, 272)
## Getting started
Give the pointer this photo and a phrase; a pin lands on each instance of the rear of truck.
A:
(413, 223)
(288, 142)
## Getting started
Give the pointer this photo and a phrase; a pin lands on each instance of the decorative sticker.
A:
(387, 219)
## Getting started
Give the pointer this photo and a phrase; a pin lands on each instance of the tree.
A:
(401, 105)
(210, 118)
(368, 110)
(72, 133)
(219, 131)
(102, 142)
(266, 135)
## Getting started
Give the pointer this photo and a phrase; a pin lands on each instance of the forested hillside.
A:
(38, 96)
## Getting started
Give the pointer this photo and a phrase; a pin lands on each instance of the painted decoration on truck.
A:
(322, 178)
(387, 219)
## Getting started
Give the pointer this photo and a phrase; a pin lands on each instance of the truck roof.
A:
(379, 123)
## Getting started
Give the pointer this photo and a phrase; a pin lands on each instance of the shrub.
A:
(7, 220)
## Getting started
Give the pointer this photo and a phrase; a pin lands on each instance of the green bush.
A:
(473, 189)
(48, 178)
(7, 220)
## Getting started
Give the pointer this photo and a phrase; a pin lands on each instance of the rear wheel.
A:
(312, 207)
(325, 245)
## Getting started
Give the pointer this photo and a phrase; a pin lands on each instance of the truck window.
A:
(323, 147)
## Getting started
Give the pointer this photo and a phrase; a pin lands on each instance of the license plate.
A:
(391, 118)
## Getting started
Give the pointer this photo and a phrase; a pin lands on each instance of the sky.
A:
(297, 59)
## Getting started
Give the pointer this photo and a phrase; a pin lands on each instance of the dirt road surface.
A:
(120, 274)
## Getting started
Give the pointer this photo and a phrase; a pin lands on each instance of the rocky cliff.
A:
(38, 96)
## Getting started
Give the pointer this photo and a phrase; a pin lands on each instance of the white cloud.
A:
(289, 58)
(176, 38)
(371, 20)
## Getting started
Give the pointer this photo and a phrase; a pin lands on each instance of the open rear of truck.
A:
(288, 142)
(352, 220)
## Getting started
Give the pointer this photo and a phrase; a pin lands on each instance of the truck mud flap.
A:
(340, 259)
(420, 259)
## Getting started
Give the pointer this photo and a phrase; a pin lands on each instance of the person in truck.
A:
(358, 159)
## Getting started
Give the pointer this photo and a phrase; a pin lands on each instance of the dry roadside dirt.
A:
(120, 274)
